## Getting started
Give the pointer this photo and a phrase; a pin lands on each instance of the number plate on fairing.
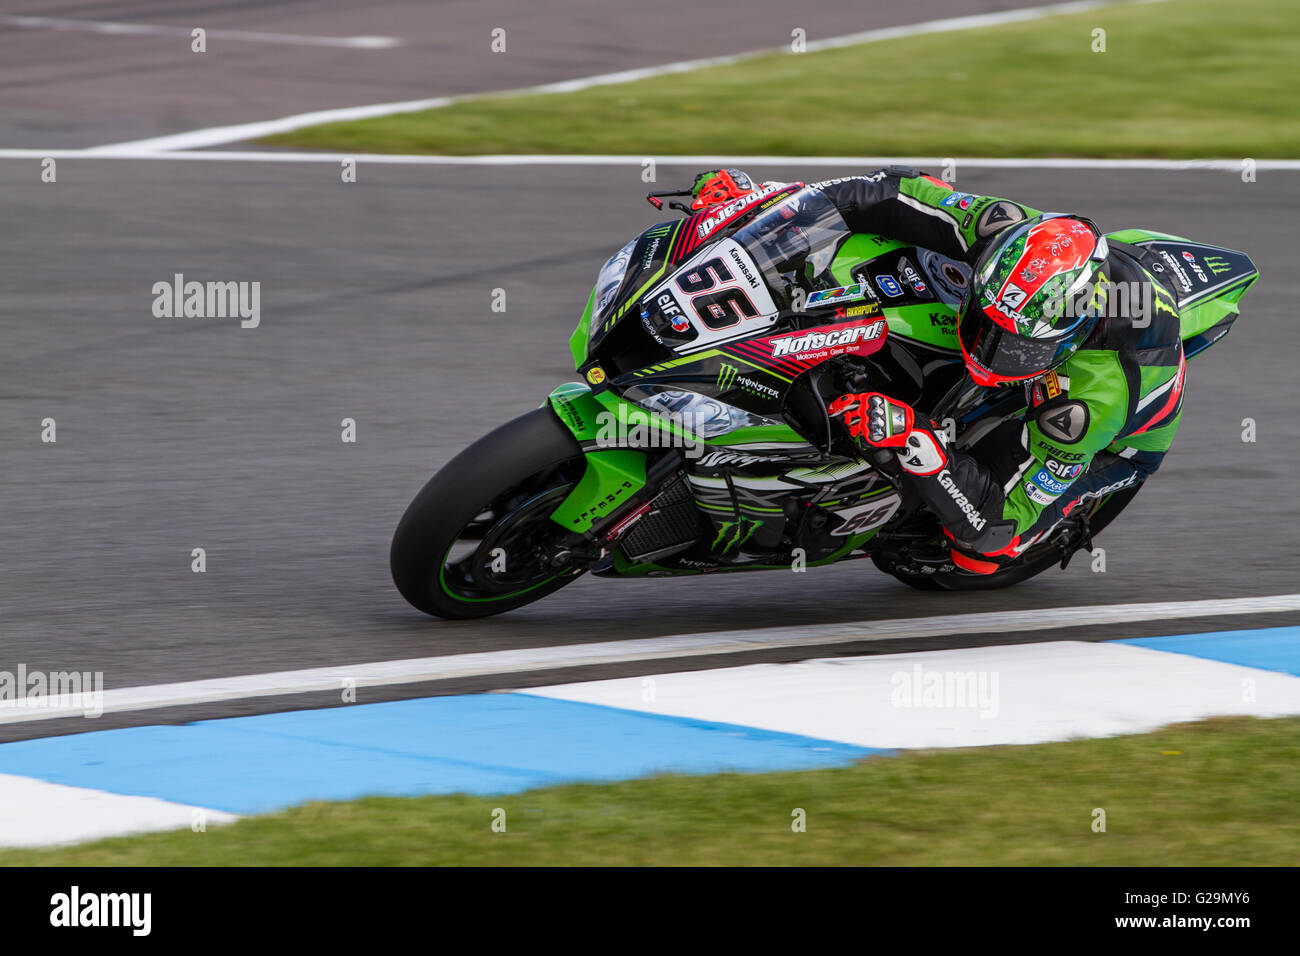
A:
(718, 295)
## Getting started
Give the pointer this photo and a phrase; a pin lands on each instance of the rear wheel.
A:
(1033, 562)
(478, 538)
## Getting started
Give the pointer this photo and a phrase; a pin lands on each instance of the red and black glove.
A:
(884, 422)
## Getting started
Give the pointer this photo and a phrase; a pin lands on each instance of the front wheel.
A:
(478, 538)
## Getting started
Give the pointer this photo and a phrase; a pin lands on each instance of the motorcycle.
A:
(698, 440)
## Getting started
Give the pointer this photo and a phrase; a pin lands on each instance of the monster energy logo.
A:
(732, 534)
(1163, 302)
(729, 377)
(1218, 265)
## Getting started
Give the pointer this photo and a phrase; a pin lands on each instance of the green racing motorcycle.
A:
(697, 440)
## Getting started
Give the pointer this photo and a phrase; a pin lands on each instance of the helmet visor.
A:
(1000, 354)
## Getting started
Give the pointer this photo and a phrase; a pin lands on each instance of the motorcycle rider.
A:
(1103, 372)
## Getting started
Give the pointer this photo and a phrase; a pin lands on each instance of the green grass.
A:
(1183, 78)
(1221, 792)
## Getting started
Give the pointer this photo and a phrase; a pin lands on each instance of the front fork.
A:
(619, 482)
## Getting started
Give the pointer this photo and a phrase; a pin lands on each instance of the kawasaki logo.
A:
(1218, 265)
(820, 340)
(973, 517)
(739, 260)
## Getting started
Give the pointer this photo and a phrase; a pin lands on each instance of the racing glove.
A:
(954, 486)
(884, 422)
(715, 186)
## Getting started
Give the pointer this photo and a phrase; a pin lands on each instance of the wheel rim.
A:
(504, 551)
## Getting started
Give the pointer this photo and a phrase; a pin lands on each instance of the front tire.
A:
(475, 540)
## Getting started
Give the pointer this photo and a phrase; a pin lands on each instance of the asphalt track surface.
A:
(183, 433)
(180, 433)
(71, 88)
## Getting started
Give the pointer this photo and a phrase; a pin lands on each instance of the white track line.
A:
(550, 159)
(221, 135)
(523, 660)
(37, 813)
(153, 29)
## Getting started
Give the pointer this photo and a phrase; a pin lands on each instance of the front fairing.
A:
(614, 297)
(700, 309)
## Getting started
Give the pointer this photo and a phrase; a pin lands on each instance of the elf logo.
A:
(1191, 261)
(673, 312)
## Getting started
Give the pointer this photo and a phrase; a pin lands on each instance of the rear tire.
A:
(499, 493)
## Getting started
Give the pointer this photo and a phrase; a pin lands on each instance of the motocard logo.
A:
(828, 342)
(733, 209)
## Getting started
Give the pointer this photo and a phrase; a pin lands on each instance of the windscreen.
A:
(740, 285)
(794, 242)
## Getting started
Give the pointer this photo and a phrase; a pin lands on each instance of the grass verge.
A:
(1222, 792)
(1182, 78)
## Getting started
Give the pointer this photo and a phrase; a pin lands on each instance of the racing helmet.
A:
(1036, 294)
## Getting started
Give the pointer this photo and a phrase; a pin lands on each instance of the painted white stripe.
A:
(36, 813)
(598, 159)
(153, 29)
(523, 660)
(1020, 472)
(221, 135)
(1158, 393)
(943, 217)
(1032, 693)
(1175, 382)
